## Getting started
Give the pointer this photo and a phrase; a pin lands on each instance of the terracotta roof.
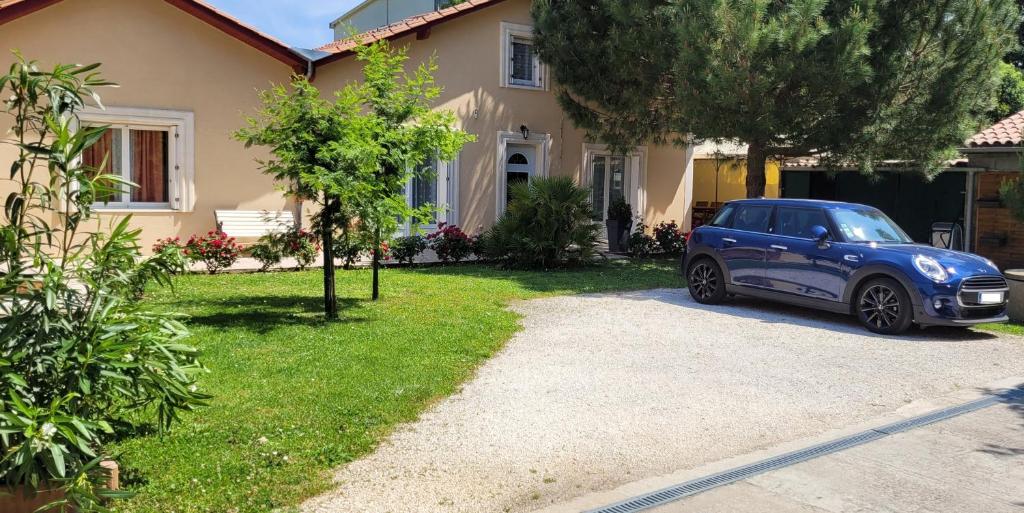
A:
(420, 23)
(11, 10)
(1008, 132)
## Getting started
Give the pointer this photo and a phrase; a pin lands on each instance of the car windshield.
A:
(868, 225)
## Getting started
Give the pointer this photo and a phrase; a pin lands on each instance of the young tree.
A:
(404, 132)
(305, 134)
(852, 81)
(355, 154)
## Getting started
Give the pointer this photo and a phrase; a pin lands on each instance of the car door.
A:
(744, 243)
(794, 263)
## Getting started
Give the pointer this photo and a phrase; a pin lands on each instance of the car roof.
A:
(796, 202)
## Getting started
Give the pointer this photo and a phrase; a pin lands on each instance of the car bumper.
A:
(927, 320)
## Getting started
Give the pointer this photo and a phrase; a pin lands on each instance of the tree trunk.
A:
(756, 159)
(376, 264)
(327, 239)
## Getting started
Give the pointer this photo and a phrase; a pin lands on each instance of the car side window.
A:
(798, 222)
(752, 218)
(722, 217)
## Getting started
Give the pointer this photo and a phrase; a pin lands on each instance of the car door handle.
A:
(728, 240)
(851, 258)
(778, 247)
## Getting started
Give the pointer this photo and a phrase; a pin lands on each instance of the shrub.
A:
(301, 245)
(1011, 193)
(641, 245)
(215, 249)
(450, 243)
(478, 246)
(78, 355)
(267, 252)
(168, 244)
(619, 210)
(670, 238)
(406, 249)
(547, 223)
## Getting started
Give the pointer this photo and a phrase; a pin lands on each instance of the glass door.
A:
(610, 182)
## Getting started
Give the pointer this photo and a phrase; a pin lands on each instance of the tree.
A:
(356, 153)
(305, 133)
(852, 81)
(404, 132)
(1009, 93)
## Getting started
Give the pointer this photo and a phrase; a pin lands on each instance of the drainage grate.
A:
(703, 484)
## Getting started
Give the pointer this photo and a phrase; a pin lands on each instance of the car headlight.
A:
(930, 267)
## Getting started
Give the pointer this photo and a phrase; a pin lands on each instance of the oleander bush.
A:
(80, 358)
(450, 243)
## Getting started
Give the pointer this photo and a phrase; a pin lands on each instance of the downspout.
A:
(310, 74)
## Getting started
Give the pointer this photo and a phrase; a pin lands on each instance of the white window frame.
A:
(180, 126)
(447, 196)
(542, 144)
(509, 33)
(636, 163)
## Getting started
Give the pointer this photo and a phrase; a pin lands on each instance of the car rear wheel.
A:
(883, 306)
(706, 282)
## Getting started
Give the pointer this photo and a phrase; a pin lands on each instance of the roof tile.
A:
(1008, 132)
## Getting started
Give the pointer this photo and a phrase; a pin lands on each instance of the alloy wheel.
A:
(880, 306)
(703, 280)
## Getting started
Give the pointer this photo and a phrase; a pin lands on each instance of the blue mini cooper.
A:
(840, 257)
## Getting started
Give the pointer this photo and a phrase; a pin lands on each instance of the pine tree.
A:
(852, 81)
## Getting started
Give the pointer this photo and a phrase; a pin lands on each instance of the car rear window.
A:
(752, 218)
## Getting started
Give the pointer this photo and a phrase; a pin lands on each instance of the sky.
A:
(301, 23)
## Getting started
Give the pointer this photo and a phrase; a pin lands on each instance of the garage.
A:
(907, 196)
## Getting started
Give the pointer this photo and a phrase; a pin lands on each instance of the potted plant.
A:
(619, 223)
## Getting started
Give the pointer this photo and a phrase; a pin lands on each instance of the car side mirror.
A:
(820, 235)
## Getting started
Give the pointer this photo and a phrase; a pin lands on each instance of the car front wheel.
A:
(884, 307)
(706, 282)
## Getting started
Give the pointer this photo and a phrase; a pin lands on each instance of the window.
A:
(149, 148)
(752, 218)
(798, 222)
(424, 190)
(868, 225)
(521, 66)
(722, 217)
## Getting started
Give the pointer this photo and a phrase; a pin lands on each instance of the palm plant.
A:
(547, 223)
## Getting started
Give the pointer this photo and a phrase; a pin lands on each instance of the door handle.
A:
(851, 258)
(778, 247)
(728, 240)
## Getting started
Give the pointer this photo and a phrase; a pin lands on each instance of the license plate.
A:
(990, 298)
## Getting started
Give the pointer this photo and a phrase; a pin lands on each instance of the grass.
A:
(1008, 328)
(296, 396)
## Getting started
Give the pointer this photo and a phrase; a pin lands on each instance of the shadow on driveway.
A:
(773, 313)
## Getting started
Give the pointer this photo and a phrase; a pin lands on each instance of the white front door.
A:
(520, 166)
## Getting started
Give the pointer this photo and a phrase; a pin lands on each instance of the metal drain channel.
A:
(703, 484)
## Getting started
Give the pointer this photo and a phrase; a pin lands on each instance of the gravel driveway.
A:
(602, 390)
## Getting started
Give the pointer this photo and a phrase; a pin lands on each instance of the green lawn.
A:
(296, 396)
(1007, 328)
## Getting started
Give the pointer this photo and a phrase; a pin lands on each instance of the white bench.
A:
(245, 224)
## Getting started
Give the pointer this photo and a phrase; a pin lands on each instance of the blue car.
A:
(841, 257)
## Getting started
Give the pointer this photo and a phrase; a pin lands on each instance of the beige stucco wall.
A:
(164, 58)
(468, 53)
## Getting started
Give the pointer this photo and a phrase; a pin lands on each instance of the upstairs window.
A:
(149, 148)
(521, 66)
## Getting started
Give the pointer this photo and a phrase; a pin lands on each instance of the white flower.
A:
(128, 358)
(48, 430)
(193, 389)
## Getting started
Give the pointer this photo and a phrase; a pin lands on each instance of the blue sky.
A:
(302, 23)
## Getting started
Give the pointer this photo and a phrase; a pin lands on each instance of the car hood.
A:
(963, 263)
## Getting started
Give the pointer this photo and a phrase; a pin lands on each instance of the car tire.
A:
(884, 307)
(706, 282)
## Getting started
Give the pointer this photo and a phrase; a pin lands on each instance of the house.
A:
(502, 93)
(373, 14)
(189, 74)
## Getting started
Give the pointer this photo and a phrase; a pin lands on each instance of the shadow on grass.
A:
(600, 276)
(262, 314)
